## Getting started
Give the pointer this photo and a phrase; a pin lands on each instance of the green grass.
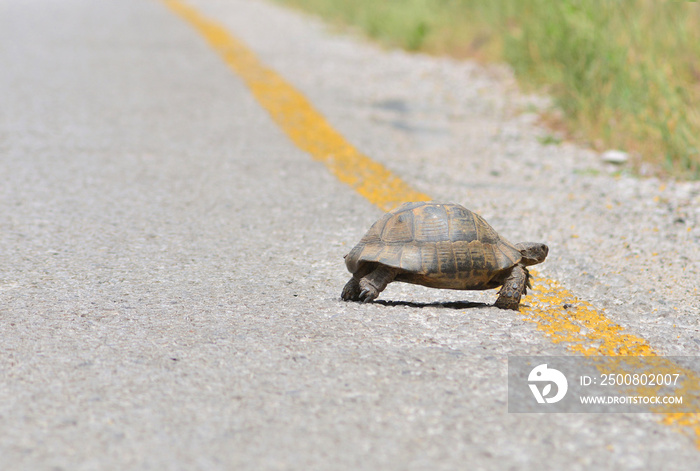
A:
(623, 74)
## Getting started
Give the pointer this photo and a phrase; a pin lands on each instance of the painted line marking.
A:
(586, 330)
(298, 118)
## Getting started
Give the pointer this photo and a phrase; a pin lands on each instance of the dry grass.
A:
(623, 74)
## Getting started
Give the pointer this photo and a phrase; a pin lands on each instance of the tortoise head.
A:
(532, 252)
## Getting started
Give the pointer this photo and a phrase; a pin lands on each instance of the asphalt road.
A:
(172, 263)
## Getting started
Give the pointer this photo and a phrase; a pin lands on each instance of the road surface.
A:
(172, 261)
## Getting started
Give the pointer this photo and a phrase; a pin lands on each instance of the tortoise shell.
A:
(436, 245)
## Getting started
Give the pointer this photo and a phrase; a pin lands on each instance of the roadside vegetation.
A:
(623, 74)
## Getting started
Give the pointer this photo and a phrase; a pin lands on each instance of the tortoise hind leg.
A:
(351, 292)
(513, 288)
(368, 287)
(375, 281)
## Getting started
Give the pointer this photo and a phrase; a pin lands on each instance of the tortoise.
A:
(440, 246)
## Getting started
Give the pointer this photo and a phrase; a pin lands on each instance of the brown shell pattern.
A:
(439, 245)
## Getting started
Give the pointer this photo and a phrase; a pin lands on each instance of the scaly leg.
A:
(513, 288)
(351, 292)
(374, 282)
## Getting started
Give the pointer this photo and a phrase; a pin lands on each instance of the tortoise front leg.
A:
(513, 288)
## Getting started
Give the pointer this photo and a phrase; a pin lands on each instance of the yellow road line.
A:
(586, 330)
(304, 125)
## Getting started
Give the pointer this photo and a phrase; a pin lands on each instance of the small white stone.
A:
(617, 157)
